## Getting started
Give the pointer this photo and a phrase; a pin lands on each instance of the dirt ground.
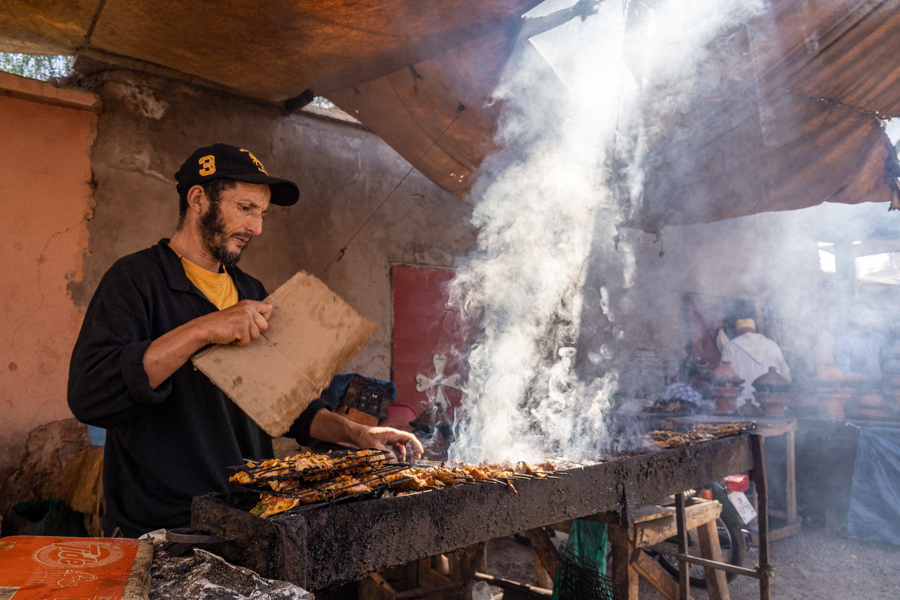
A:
(811, 565)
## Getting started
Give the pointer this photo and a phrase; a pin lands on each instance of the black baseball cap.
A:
(221, 161)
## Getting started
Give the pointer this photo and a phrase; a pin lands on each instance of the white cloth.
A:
(751, 355)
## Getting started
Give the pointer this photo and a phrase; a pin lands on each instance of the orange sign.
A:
(51, 568)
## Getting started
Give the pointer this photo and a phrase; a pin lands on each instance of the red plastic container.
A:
(737, 483)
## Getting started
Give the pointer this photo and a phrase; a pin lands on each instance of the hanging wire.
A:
(340, 254)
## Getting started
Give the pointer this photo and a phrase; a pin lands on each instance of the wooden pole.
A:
(544, 551)
(791, 478)
(684, 578)
(758, 475)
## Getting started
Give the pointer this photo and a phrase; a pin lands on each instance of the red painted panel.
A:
(426, 328)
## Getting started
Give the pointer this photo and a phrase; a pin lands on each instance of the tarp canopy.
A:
(272, 50)
(796, 123)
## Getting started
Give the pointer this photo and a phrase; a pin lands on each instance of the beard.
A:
(215, 238)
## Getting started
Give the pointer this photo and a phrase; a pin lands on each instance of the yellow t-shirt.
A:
(219, 288)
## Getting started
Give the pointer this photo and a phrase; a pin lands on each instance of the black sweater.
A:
(167, 445)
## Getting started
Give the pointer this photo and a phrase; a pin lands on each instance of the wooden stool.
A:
(653, 524)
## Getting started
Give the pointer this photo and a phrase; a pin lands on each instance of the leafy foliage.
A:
(36, 66)
(322, 102)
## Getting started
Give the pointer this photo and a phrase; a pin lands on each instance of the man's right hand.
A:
(239, 324)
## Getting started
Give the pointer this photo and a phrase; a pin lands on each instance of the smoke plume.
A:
(548, 208)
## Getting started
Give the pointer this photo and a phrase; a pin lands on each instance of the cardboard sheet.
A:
(312, 334)
(37, 568)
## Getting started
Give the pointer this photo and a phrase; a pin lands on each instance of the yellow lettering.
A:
(209, 165)
(256, 162)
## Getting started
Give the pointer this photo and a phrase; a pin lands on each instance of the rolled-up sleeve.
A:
(107, 380)
(300, 429)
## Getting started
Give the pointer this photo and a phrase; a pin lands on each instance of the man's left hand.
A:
(388, 438)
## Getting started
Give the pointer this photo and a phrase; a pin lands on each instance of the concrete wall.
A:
(45, 194)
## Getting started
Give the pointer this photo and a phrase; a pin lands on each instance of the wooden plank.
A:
(654, 532)
(651, 513)
(625, 576)
(791, 478)
(703, 562)
(430, 577)
(543, 578)
(544, 551)
(716, 581)
(783, 532)
(514, 589)
(138, 585)
(464, 563)
(369, 590)
(684, 581)
(758, 475)
(654, 574)
(382, 583)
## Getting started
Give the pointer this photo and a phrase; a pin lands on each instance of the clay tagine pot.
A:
(748, 409)
(773, 392)
(872, 405)
(832, 391)
(726, 388)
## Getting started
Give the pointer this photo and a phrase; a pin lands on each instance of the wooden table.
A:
(766, 427)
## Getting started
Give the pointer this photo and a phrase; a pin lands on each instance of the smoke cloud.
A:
(548, 207)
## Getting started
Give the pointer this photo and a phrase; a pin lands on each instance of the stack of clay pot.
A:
(773, 392)
(833, 390)
(871, 405)
(726, 388)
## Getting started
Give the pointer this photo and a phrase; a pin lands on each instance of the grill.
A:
(343, 542)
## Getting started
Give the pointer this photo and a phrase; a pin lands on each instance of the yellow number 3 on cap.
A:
(209, 165)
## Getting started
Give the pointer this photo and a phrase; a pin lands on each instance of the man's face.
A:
(227, 226)
(866, 319)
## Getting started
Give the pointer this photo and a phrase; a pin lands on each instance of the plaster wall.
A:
(45, 194)
(150, 125)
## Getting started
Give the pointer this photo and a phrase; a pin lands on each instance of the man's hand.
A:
(239, 324)
(330, 427)
(586, 8)
(387, 438)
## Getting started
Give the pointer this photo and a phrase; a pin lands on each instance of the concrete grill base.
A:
(336, 544)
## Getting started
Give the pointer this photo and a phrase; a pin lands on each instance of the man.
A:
(751, 354)
(856, 352)
(171, 433)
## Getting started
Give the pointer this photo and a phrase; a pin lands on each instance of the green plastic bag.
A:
(587, 539)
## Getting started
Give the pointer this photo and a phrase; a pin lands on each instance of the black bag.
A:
(46, 517)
